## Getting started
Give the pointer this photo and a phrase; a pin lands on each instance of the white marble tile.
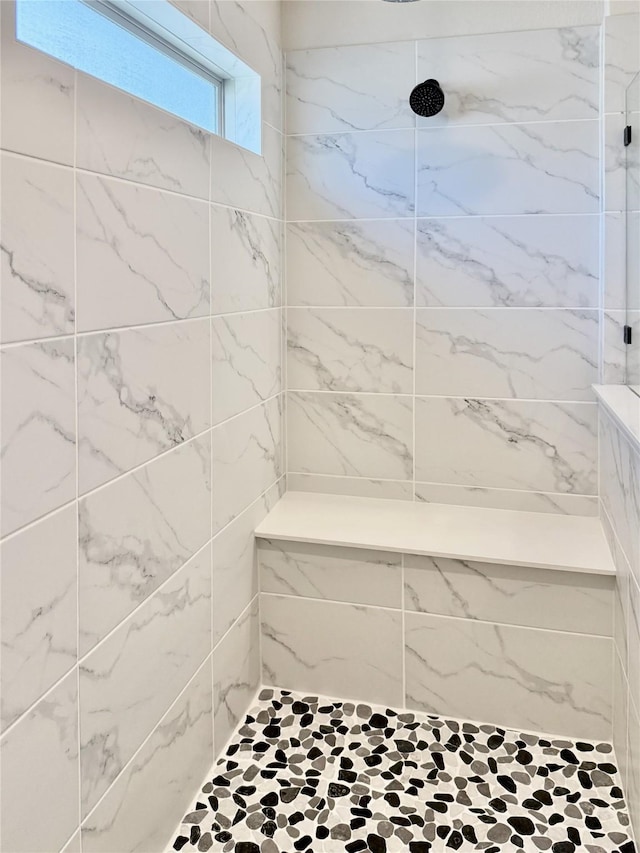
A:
(633, 642)
(512, 595)
(38, 593)
(355, 435)
(613, 357)
(350, 349)
(121, 695)
(236, 674)
(360, 87)
(37, 250)
(39, 766)
(140, 392)
(333, 649)
(358, 486)
(620, 709)
(544, 681)
(508, 261)
(534, 75)
(142, 255)
(510, 444)
(327, 572)
(246, 351)
(37, 93)
(38, 430)
(246, 249)
(614, 248)
(350, 263)
(136, 532)
(128, 138)
(351, 175)
(439, 493)
(246, 180)
(235, 570)
(253, 32)
(247, 459)
(547, 167)
(620, 489)
(621, 51)
(148, 800)
(507, 352)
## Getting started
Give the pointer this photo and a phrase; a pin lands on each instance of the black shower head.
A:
(427, 99)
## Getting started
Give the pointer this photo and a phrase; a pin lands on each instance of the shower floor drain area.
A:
(308, 774)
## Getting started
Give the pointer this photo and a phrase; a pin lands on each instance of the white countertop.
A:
(541, 540)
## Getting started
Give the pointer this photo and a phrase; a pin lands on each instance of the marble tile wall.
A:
(515, 646)
(142, 440)
(619, 460)
(443, 303)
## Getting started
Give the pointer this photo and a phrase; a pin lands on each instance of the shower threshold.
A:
(306, 773)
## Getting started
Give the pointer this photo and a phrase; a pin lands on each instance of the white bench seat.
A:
(538, 540)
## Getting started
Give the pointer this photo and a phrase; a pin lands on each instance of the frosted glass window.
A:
(150, 49)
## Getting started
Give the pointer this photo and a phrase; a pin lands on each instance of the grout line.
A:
(77, 436)
(434, 128)
(466, 397)
(204, 199)
(403, 638)
(429, 614)
(116, 330)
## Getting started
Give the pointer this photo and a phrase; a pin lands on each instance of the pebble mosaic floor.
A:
(309, 774)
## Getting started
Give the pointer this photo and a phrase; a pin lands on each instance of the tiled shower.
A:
(378, 305)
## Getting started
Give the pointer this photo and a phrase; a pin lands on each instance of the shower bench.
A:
(497, 616)
(534, 539)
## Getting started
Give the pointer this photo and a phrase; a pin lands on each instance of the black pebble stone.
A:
(419, 847)
(335, 790)
(563, 847)
(270, 799)
(246, 847)
(180, 841)
(378, 721)
(303, 843)
(522, 825)
(376, 844)
(455, 840)
(357, 845)
(508, 783)
(322, 832)
(224, 837)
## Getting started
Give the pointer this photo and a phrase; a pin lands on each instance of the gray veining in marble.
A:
(121, 697)
(546, 167)
(38, 626)
(138, 532)
(350, 263)
(513, 444)
(546, 681)
(350, 175)
(507, 352)
(362, 435)
(530, 261)
(133, 400)
(350, 349)
(38, 450)
(304, 643)
(142, 255)
(532, 75)
(37, 246)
